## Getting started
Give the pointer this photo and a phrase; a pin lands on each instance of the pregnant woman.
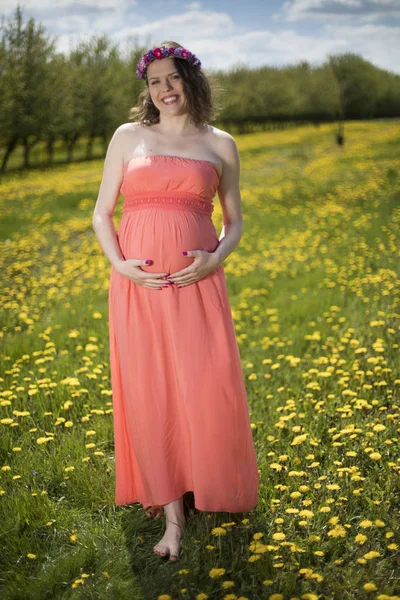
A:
(181, 419)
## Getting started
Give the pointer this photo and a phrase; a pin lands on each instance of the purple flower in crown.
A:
(158, 53)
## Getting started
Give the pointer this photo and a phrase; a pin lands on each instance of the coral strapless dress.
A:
(181, 418)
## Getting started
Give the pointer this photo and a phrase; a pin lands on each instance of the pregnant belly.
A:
(161, 235)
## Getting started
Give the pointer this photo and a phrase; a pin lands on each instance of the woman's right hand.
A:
(130, 268)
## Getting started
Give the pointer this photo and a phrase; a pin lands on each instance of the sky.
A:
(224, 34)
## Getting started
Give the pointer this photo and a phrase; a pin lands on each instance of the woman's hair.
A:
(200, 92)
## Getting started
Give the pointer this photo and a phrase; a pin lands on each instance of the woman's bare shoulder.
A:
(220, 134)
(127, 129)
(126, 138)
(225, 145)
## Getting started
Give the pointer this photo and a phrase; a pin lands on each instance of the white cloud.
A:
(377, 43)
(220, 43)
(340, 10)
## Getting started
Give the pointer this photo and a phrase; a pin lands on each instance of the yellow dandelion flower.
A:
(216, 573)
(299, 439)
(375, 456)
(32, 556)
(219, 531)
(337, 532)
(253, 558)
(228, 584)
(360, 538)
(43, 440)
(366, 523)
(370, 587)
(372, 554)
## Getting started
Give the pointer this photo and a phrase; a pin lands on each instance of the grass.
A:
(314, 291)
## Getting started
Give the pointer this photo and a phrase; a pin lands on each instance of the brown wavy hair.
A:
(201, 92)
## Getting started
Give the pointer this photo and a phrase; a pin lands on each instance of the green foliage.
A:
(314, 290)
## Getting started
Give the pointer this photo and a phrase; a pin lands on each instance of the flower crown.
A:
(163, 52)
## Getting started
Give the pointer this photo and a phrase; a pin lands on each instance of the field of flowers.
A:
(314, 289)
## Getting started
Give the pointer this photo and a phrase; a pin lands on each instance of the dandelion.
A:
(228, 584)
(371, 555)
(337, 532)
(375, 456)
(366, 523)
(214, 573)
(218, 531)
(44, 440)
(370, 587)
(360, 538)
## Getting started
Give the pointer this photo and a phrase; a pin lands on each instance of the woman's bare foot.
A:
(155, 511)
(170, 542)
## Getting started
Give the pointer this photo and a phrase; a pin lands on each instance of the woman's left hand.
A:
(204, 262)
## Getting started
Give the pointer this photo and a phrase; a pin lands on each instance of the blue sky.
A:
(225, 33)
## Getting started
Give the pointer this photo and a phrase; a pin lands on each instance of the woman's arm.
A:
(229, 197)
(103, 222)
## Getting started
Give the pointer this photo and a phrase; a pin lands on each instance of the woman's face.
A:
(164, 82)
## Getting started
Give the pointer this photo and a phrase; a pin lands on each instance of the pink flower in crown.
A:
(185, 53)
(147, 59)
(157, 52)
(171, 50)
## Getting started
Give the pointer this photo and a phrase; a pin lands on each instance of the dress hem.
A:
(146, 504)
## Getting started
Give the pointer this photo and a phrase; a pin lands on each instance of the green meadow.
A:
(314, 290)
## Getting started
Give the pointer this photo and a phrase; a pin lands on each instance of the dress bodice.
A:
(172, 181)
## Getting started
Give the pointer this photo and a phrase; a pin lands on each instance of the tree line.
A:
(55, 100)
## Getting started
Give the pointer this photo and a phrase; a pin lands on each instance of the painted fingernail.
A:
(179, 286)
(184, 253)
(148, 262)
(165, 286)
